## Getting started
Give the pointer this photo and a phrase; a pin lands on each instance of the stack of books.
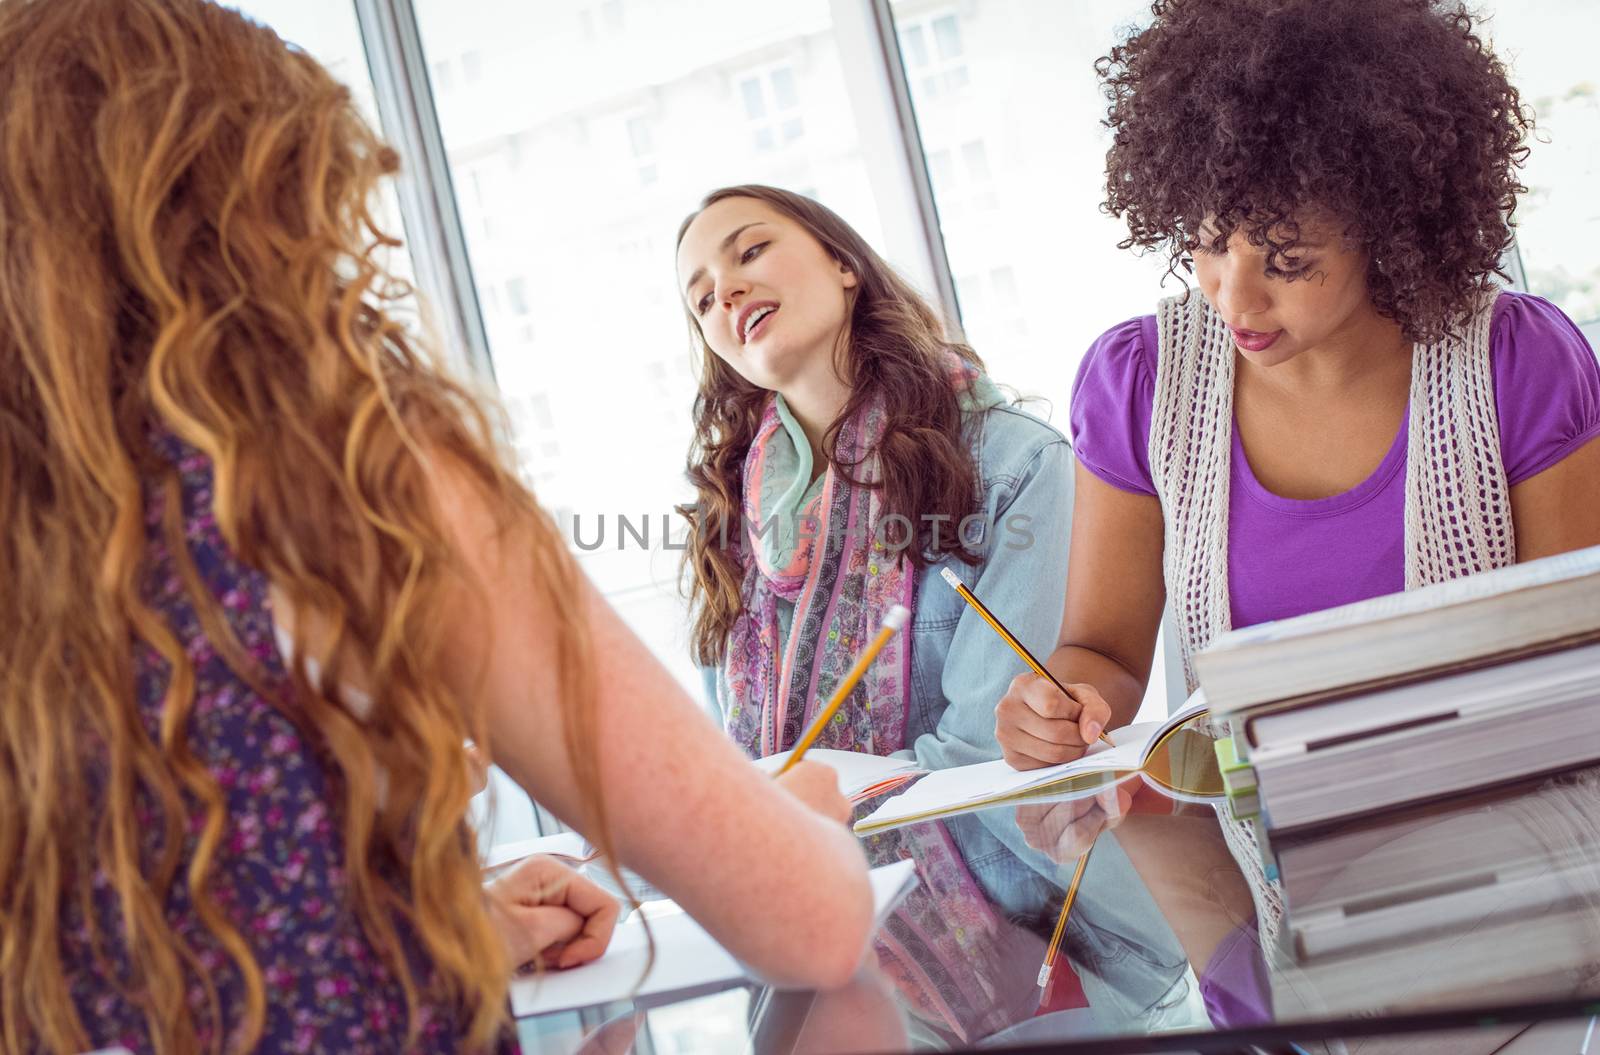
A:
(1423, 771)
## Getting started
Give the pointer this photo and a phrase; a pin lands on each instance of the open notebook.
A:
(861, 776)
(965, 788)
(686, 956)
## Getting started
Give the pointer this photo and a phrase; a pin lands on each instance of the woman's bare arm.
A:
(781, 887)
(1559, 510)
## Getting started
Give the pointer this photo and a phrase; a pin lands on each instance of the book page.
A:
(947, 789)
(858, 772)
(1194, 706)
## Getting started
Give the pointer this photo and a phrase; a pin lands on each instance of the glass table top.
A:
(1455, 927)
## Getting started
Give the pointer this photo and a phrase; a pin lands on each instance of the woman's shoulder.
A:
(1010, 440)
(1111, 405)
(1118, 367)
(1528, 324)
(1546, 381)
(1013, 430)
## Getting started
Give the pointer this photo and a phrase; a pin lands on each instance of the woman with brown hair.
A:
(847, 451)
(214, 436)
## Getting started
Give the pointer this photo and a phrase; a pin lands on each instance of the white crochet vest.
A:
(1457, 505)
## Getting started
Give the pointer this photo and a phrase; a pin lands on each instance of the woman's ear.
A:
(849, 276)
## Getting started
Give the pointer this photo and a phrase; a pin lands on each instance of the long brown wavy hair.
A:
(894, 345)
(186, 245)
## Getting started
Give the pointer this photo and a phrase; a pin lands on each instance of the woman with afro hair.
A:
(1352, 405)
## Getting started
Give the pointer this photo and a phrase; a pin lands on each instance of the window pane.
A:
(947, 32)
(517, 295)
(599, 365)
(1550, 48)
(753, 106)
(329, 33)
(443, 78)
(783, 90)
(1022, 193)
(915, 45)
(1005, 284)
(1010, 120)
(639, 136)
(977, 160)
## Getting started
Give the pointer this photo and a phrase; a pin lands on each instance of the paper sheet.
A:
(570, 845)
(949, 789)
(860, 775)
(686, 956)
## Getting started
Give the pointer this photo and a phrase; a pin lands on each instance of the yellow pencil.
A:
(1010, 639)
(894, 620)
(1046, 968)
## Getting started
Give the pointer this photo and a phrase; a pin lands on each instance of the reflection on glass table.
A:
(1161, 949)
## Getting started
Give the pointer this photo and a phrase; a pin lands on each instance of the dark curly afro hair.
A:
(1392, 115)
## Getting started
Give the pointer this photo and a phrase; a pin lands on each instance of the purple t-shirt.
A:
(1289, 556)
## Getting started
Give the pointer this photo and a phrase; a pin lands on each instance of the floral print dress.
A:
(278, 874)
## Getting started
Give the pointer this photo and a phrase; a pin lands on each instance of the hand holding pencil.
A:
(1039, 721)
(817, 785)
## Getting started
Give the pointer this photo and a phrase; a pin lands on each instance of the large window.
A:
(578, 141)
(579, 133)
(1009, 113)
(1550, 48)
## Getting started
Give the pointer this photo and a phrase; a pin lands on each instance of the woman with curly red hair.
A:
(1351, 406)
(267, 569)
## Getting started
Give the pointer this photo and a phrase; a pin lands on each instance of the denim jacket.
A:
(959, 670)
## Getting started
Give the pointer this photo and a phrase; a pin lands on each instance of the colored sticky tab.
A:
(1238, 780)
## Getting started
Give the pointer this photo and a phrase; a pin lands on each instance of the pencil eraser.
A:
(896, 617)
(949, 576)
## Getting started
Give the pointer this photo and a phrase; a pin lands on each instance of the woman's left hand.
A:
(551, 914)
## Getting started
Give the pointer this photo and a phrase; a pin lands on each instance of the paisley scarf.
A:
(823, 564)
